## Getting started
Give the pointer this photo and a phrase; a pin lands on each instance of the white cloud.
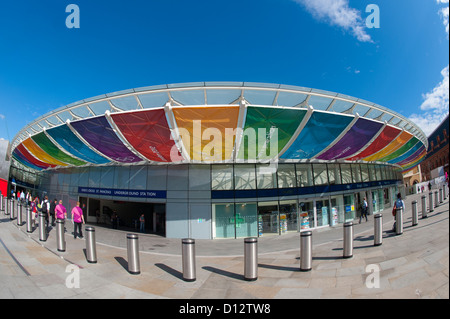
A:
(436, 102)
(444, 14)
(435, 105)
(338, 13)
(2, 116)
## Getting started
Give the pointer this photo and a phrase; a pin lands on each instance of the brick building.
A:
(437, 154)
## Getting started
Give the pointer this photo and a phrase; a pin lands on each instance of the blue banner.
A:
(122, 192)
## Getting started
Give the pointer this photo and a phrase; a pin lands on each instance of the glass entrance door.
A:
(349, 207)
(268, 218)
(323, 212)
(289, 216)
(306, 212)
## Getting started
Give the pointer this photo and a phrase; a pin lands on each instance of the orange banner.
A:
(210, 131)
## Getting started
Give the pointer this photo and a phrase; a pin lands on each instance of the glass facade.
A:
(239, 200)
(292, 213)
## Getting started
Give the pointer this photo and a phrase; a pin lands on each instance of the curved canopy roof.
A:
(219, 122)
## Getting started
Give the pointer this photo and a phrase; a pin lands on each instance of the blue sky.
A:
(321, 44)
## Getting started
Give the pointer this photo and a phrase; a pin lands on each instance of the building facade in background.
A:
(219, 160)
(435, 163)
(4, 167)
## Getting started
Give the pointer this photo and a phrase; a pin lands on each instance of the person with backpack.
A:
(399, 203)
(52, 211)
(45, 208)
(364, 208)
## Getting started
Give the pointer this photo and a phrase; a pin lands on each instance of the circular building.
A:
(220, 159)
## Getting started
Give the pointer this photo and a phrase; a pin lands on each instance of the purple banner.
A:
(355, 139)
(98, 133)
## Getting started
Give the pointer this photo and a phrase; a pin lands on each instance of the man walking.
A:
(78, 220)
(364, 208)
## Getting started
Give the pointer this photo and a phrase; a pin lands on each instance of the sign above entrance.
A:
(122, 192)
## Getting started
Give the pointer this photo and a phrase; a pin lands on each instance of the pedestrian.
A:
(34, 210)
(60, 211)
(78, 220)
(142, 223)
(45, 209)
(52, 211)
(364, 208)
(399, 203)
(114, 220)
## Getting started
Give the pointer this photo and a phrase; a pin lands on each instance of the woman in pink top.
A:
(78, 219)
(60, 211)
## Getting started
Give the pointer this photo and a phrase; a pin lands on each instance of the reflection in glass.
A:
(304, 175)
(222, 177)
(349, 207)
(320, 174)
(346, 174)
(246, 220)
(289, 216)
(323, 212)
(337, 210)
(224, 220)
(356, 172)
(286, 176)
(266, 176)
(244, 177)
(268, 218)
(306, 215)
(334, 174)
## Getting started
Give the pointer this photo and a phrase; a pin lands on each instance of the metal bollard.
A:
(29, 220)
(7, 206)
(399, 221)
(42, 230)
(134, 267)
(19, 214)
(348, 240)
(415, 215)
(424, 207)
(188, 259)
(251, 259)
(431, 202)
(91, 249)
(441, 200)
(17, 208)
(306, 251)
(378, 230)
(60, 237)
(444, 190)
(436, 200)
(1, 202)
(11, 209)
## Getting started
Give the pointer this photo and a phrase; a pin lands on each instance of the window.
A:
(334, 174)
(346, 174)
(286, 176)
(244, 177)
(356, 173)
(320, 174)
(365, 173)
(266, 176)
(222, 177)
(304, 175)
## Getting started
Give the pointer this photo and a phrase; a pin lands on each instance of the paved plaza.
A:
(412, 265)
